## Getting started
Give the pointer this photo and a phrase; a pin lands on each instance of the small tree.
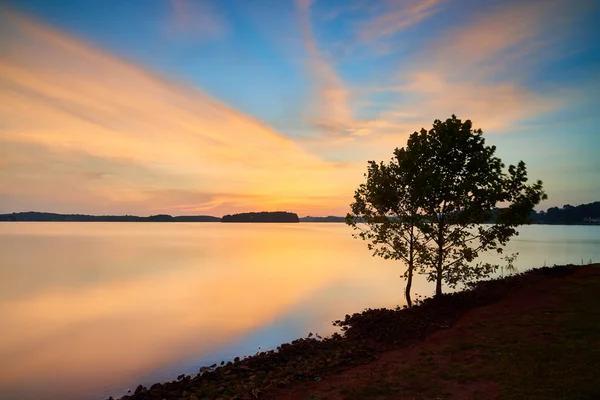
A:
(459, 186)
(383, 213)
(435, 205)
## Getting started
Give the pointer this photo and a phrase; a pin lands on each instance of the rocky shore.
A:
(364, 336)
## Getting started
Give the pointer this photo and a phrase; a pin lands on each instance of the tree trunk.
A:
(408, 285)
(438, 285)
(411, 265)
(440, 260)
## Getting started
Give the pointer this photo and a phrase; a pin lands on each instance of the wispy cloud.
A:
(485, 70)
(482, 70)
(332, 106)
(71, 111)
(502, 39)
(191, 17)
(397, 15)
(111, 135)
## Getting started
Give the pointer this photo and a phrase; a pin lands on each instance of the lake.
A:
(88, 310)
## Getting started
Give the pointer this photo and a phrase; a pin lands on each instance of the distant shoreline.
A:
(34, 216)
(264, 217)
(583, 215)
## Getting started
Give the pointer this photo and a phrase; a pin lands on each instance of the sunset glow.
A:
(204, 107)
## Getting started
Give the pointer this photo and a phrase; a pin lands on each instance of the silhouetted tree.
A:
(384, 211)
(569, 214)
(447, 184)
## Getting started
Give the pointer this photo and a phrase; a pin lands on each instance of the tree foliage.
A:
(442, 188)
(568, 214)
(264, 216)
(384, 214)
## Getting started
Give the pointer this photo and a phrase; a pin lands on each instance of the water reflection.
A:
(88, 310)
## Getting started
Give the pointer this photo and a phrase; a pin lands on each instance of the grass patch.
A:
(375, 391)
(550, 353)
(561, 363)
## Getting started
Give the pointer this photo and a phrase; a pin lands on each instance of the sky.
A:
(210, 107)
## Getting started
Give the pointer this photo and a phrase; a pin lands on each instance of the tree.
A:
(459, 185)
(448, 186)
(383, 213)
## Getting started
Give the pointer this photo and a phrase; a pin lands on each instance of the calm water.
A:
(88, 310)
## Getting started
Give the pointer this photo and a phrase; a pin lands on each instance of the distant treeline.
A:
(569, 215)
(277, 216)
(330, 218)
(42, 217)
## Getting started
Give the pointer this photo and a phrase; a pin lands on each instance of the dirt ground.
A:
(499, 351)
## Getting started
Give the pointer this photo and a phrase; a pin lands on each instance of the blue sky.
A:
(278, 87)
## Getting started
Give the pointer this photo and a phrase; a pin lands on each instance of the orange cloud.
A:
(331, 109)
(399, 15)
(83, 122)
(332, 106)
(492, 106)
(493, 42)
(480, 70)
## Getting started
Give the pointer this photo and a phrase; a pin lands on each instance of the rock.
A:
(139, 389)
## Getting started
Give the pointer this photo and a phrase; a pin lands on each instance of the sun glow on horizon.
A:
(212, 124)
(108, 133)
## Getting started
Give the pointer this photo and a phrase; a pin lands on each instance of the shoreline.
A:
(364, 336)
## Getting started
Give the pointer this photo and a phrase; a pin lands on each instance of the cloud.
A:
(114, 137)
(493, 106)
(332, 105)
(200, 18)
(483, 70)
(331, 108)
(396, 16)
(71, 112)
(494, 42)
